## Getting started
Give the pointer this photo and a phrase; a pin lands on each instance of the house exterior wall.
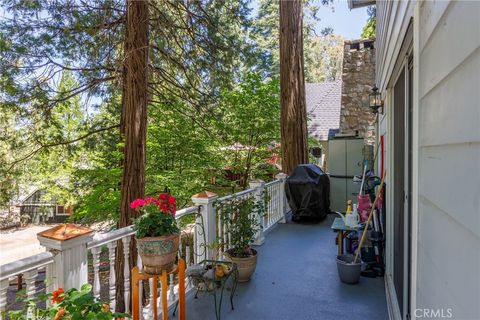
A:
(393, 18)
(449, 157)
(446, 147)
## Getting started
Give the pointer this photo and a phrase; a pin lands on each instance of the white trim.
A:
(401, 65)
(406, 178)
(415, 157)
(354, 4)
(389, 192)
(392, 301)
(390, 37)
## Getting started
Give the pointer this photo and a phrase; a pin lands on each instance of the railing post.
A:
(69, 244)
(282, 176)
(3, 296)
(126, 272)
(205, 200)
(112, 246)
(259, 187)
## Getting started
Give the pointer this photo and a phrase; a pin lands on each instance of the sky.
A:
(344, 22)
(347, 23)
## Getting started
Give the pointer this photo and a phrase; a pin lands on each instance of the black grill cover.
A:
(308, 192)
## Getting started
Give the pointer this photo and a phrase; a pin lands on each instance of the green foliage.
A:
(313, 142)
(98, 193)
(242, 217)
(324, 58)
(10, 140)
(71, 305)
(369, 30)
(180, 153)
(95, 179)
(250, 123)
(59, 58)
(323, 54)
(60, 84)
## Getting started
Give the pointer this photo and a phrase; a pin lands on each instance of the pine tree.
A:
(292, 85)
(185, 51)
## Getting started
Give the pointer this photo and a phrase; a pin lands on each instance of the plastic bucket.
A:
(348, 271)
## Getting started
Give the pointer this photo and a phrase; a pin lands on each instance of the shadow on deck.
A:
(296, 278)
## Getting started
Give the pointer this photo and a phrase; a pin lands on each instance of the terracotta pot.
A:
(158, 253)
(246, 266)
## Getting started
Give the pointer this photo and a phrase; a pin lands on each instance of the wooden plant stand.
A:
(138, 275)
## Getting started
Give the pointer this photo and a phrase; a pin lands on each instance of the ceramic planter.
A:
(158, 253)
(246, 266)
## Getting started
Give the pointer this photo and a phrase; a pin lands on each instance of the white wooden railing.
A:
(110, 241)
(196, 236)
(223, 235)
(29, 268)
(276, 206)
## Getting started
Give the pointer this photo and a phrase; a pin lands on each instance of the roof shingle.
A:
(323, 108)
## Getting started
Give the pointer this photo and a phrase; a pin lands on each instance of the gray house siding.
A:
(449, 157)
(445, 256)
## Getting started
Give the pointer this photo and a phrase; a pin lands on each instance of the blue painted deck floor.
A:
(296, 278)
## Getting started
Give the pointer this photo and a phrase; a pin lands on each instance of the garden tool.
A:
(370, 217)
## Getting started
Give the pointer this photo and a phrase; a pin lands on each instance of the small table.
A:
(217, 283)
(339, 226)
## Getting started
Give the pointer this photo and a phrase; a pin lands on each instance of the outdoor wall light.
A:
(375, 100)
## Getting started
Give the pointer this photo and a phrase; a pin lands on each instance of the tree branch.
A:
(45, 146)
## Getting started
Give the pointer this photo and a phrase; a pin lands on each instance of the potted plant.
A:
(66, 305)
(241, 217)
(156, 232)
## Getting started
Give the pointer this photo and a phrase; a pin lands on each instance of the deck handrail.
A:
(36, 261)
(272, 183)
(235, 195)
(205, 231)
(100, 239)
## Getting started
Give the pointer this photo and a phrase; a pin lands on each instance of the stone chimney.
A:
(358, 77)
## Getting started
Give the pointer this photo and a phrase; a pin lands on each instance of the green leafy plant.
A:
(70, 305)
(158, 217)
(250, 126)
(370, 27)
(241, 215)
(24, 219)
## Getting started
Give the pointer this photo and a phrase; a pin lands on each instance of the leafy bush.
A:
(241, 217)
(70, 305)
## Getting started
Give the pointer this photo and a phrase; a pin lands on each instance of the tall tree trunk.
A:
(292, 86)
(134, 125)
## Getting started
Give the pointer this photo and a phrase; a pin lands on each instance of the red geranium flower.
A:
(137, 203)
(57, 295)
(151, 200)
(163, 196)
(163, 207)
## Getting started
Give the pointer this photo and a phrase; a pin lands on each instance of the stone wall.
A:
(358, 77)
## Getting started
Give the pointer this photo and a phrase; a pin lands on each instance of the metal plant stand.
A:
(217, 284)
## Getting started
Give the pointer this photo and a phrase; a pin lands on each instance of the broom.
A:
(369, 218)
